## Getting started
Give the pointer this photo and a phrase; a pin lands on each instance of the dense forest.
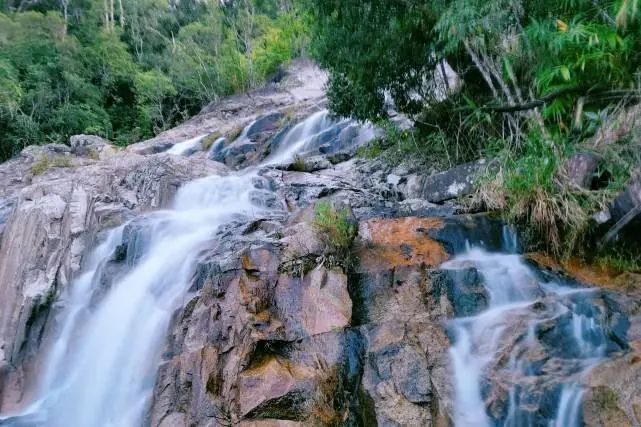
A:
(125, 69)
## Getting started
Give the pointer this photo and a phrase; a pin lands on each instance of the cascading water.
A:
(186, 147)
(310, 135)
(102, 367)
(503, 343)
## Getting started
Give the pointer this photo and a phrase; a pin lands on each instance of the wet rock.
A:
(464, 289)
(54, 219)
(405, 373)
(264, 124)
(459, 232)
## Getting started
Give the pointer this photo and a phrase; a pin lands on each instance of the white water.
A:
(101, 369)
(305, 136)
(188, 146)
(300, 136)
(512, 288)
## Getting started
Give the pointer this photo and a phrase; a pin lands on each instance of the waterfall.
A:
(187, 147)
(101, 369)
(510, 324)
(312, 133)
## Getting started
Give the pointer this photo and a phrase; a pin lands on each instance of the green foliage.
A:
(336, 231)
(569, 59)
(606, 398)
(537, 78)
(526, 184)
(136, 74)
(371, 48)
(620, 259)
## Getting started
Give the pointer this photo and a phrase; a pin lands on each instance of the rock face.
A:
(261, 342)
(55, 219)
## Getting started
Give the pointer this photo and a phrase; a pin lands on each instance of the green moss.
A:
(209, 140)
(45, 163)
(234, 133)
(606, 398)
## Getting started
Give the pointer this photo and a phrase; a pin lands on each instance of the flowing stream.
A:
(520, 308)
(102, 366)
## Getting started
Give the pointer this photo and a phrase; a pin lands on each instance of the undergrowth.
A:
(299, 164)
(434, 148)
(528, 184)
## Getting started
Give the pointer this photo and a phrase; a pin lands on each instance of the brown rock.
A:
(317, 303)
(389, 243)
(614, 393)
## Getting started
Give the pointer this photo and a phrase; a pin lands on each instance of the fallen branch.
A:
(535, 103)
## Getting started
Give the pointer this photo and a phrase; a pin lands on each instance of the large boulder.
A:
(580, 170)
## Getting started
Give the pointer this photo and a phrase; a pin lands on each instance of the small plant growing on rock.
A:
(45, 163)
(299, 164)
(606, 399)
(209, 140)
(337, 232)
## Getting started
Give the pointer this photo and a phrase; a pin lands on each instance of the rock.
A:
(262, 125)
(624, 216)
(580, 169)
(460, 231)
(216, 148)
(456, 182)
(405, 374)
(316, 304)
(307, 164)
(383, 244)
(464, 288)
(614, 397)
(53, 222)
(91, 146)
(338, 157)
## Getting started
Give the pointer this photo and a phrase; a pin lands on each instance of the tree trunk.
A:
(121, 11)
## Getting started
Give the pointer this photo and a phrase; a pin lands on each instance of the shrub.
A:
(337, 232)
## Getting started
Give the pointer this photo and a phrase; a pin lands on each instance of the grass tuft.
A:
(337, 232)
